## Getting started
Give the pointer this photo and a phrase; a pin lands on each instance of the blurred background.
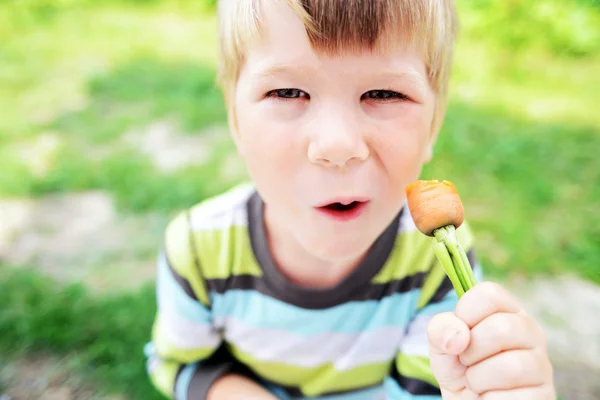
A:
(110, 122)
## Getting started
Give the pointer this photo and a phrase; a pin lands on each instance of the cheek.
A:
(401, 145)
(270, 150)
(404, 139)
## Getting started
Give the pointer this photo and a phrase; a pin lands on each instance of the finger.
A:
(483, 300)
(509, 370)
(464, 394)
(501, 332)
(544, 392)
(448, 336)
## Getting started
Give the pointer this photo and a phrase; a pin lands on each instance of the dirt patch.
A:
(81, 238)
(44, 378)
(567, 308)
(170, 149)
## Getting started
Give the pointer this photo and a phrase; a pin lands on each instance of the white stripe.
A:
(224, 210)
(235, 217)
(186, 334)
(416, 343)
(345, 351)
(371, 347)
(407, 224)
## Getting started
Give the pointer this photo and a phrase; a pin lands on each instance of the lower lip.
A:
(344, 216)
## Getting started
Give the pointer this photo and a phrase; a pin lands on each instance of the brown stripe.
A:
(219, 364)
(183, 283)
(263, 286)
(414, 386)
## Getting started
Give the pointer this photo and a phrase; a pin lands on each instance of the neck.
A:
(301, 267)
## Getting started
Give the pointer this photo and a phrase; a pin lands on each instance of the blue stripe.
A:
(258, 310)
(185, 306)
(395, 392)
(478, 272)
(183, 381)
(448, 303)
(372, 393)
(376, 392)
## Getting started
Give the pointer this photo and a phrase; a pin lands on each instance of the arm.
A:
(186, 358)
(411, 377)
(237, 387)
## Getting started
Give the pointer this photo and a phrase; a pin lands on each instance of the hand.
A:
(489, 347)
(235, 387)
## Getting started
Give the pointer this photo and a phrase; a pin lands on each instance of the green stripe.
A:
(315, 381)
(163, 377)
(412, 254)
(432, 283)
(177, 247)
(226, 252)
(416, 367)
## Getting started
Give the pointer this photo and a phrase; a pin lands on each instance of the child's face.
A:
(316, 130)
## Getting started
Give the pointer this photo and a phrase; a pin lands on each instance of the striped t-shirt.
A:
(224, 307)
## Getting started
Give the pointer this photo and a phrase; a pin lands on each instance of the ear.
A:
(428, 154)
(436, 125)
(232, 123)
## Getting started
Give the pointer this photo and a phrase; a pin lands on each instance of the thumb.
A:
(448, 336)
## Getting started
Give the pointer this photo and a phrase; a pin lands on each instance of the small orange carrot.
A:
(437, 211)
(434, 204)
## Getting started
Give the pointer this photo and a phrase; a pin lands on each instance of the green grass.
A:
(528, 190)
(103, 336)
(520, 141)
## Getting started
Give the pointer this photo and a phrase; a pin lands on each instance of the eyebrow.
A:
(283, 69)
(410, 76)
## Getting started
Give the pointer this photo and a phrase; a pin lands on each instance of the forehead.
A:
(335, 26)
(285, 42)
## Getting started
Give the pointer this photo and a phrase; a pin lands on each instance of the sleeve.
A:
(186, 353)
(411, 377)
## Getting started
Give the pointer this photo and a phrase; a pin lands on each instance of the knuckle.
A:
(502, 325)
(519, 366)
(492, 290)
(472, 381)
(435, 325)
(466, 358)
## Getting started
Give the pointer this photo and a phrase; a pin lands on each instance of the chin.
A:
(340, 247)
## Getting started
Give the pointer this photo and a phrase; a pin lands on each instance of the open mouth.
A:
(343, 211)
(343, 207)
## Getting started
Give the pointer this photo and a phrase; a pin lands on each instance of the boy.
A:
(313, 281)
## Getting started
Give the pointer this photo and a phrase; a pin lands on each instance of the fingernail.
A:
(449, 339)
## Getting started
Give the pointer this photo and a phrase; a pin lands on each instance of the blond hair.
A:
(429, 26)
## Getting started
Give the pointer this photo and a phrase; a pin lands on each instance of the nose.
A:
(337, 141)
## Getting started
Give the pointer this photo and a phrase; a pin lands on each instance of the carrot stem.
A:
(466, 265)
(443, 256)
(461, 267)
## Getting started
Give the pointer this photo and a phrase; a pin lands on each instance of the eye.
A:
(288, 93)
(384, 95)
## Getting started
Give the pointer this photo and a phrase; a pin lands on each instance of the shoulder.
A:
(195, 235)
(222, 211)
